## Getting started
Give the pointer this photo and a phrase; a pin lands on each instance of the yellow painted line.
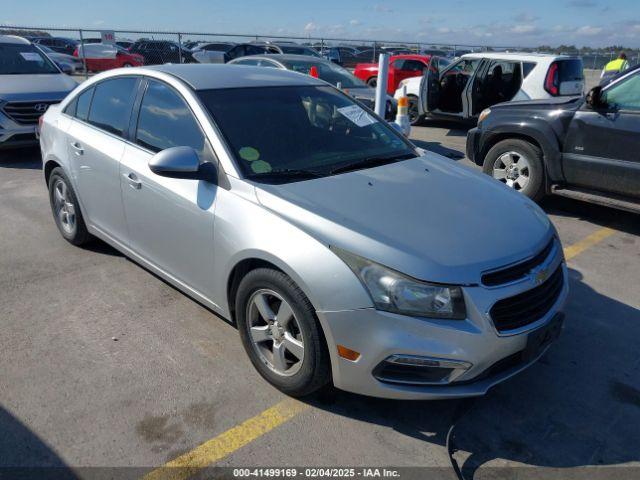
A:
(226, 443)
(587, 242)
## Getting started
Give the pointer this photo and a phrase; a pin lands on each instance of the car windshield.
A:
(16, 59)
(327, 71)
(301, 130)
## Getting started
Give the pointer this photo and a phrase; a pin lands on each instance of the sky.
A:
(512, 23)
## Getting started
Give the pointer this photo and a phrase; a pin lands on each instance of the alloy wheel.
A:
(275, 333)
(64, 208)
(513, 169)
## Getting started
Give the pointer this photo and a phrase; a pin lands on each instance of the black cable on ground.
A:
(461, 411)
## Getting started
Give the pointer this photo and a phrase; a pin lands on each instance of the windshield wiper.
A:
(288, 173)
(370, 162)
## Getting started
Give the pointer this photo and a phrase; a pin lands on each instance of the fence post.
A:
(322, 52)
(81, 52)
(180, 46)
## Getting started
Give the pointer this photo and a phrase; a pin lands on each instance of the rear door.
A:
(430, 86)
(96, 145)
(170, 220)
(603, 145)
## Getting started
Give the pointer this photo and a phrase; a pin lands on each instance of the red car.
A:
(400, 67)
(100, 63)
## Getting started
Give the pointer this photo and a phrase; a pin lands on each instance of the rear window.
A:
(570, 70)
(527, 68)
(112, 103)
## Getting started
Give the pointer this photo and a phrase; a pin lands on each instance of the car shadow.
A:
(440, 149)
(456, 129)
(578, 406)
(23, 454)
(598, 214)
(21, 158)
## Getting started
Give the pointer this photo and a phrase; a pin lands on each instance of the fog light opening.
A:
(417, 370)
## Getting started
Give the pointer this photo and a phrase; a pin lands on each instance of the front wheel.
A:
(373, 82)
(518, 164)
(280, 333)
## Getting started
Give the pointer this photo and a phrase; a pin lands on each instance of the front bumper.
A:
(377, 335)
(15, 135)
(473, 144)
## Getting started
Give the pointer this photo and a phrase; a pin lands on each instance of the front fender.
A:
(535, 128)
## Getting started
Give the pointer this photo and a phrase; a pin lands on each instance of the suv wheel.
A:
(280, 333)
(519, 165)
(66, 210)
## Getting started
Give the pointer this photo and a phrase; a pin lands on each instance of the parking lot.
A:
(106, 365)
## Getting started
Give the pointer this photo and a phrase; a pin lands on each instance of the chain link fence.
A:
(84, 53)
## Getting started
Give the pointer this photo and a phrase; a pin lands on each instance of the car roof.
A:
(411, 56)
(14, 39)
(287, 57)
(515, 55)
(214, 76)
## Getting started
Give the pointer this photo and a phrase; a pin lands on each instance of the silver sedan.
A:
(341, 251)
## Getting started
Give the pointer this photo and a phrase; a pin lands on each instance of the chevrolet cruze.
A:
(341, 251)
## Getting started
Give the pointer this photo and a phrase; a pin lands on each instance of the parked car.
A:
(156, 52)
(462, 89)
(224, 52)
(61, 59)
(340, 250)
(584, 148)
(349, 57)
(288, 48)
(401, 67)
(105, 56)
(327, 71)
(29, 83)
(57, 44)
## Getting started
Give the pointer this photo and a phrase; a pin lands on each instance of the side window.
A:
(71, 107)
(112, 103)
(253, 61)
(166, 121)
(84, 102)
(413, 66)
(625, 95)
(399, 64)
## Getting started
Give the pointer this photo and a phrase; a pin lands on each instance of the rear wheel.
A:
(414, 111)
(128, 65)
(280, 333)
(66, 210)
(373, 82)
(518, 164)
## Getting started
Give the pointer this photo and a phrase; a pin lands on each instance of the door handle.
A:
(77, 147)
(133, 181)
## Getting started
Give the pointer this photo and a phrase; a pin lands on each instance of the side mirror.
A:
(594, 98)
(182, 162)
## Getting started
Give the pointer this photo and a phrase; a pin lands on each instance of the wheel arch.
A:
(49, 165)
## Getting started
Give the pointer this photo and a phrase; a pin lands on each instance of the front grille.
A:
(25, 113)
(518, 271)
(527, 307)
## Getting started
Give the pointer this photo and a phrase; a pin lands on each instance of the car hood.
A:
(53, 86)
(426, 217)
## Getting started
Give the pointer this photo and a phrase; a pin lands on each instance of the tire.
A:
(127, 65)
(519, 164)
(290, 375)
(414, 111)
(373, 82)
(66, 209)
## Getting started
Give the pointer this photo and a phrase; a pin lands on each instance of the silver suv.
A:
(29, 83)
(341, 251)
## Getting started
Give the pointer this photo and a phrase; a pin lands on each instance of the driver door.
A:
(430, 87)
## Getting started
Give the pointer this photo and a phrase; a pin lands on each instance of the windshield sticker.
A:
(357, 115)
(249, 154)
(31, 56)
(260, 166)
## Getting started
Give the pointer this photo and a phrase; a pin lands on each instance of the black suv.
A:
(57, 44)
(586, 148)
(157, 52)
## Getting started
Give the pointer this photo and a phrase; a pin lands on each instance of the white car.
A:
(477, 81)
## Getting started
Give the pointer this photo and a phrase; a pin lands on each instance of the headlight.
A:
(484, 114)
(394, 292)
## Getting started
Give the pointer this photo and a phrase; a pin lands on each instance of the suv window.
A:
(571, 70)
(166, 121)
(112, 103)
(527, 68)
(624, 95)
